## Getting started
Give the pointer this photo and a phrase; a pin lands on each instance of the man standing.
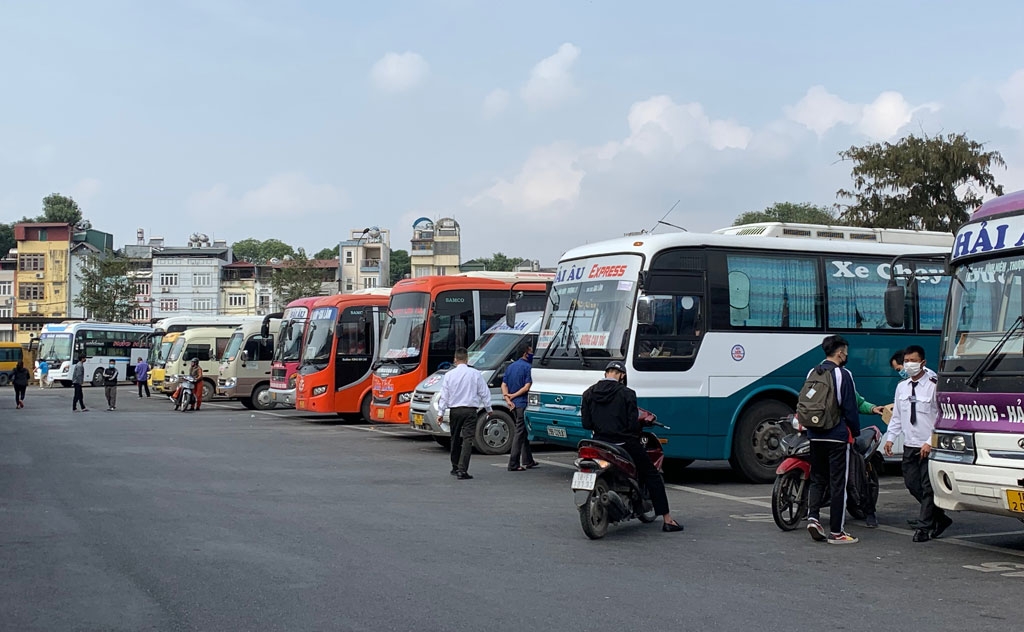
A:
(142, 376)
(77, 378)
(515, 386)
(44, 372)
(463, 393)
(914, 416)
(830, 447)
(196, 373)
(110, 385)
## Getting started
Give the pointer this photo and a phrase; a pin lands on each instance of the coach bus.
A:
(429, 318)
(977, 457)
(288, 351)
(62, 344)
(342, 339)
(159, 348)
(719, 330)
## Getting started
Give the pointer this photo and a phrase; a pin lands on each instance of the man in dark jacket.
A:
(609, 410)
(110, 384)
(830, 449)
(19, 379)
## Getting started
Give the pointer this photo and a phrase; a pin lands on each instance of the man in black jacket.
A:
(609, 410)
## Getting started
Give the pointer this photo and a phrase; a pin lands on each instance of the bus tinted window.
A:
(856, 291)
(454, 314)
(492, 308)
(773, 292)
(931, 300)
(260, 348)
(198, 350)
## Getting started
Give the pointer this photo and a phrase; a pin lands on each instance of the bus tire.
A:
(756, 442)
(494, 433)
(4, 379)
(209, 390)
(364, 407)
(247, 404)
(444, 442)
(260, 398)
(97, 377)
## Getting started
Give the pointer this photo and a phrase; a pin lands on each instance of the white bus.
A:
(159, 349)
(719, 330)
(62, 344)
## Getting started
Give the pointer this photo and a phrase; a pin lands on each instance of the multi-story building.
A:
(245, 289)
(364, 260)
(186, 280)
(140, 269)
(8, 268)
(436, 247)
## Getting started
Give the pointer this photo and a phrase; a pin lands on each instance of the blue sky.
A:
(538, 125)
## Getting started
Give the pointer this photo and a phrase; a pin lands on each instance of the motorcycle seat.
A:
(611, 447)
(866, 441)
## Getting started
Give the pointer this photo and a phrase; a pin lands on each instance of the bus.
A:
(977, 457)
(429, 318)
(244, 373)
(338, 353)
(159, 348)
(61, 344)
(719, 331)
(207, 344)
(288, 350)
(11, 354)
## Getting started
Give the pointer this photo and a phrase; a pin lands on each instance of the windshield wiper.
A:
(552, 344)
(572, 333)
(989, 360)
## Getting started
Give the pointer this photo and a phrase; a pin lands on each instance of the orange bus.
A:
(429, 318)
(338, 350)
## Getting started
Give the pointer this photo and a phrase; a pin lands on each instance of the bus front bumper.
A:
(963, 487)
(283, 397)
(227, 388)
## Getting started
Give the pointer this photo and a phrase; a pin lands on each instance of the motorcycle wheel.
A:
(789, 505)
(594, 514)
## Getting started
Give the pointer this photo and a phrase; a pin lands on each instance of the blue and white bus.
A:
(61, 344)
(719, 330)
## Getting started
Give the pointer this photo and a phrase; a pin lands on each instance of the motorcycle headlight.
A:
(405, 398)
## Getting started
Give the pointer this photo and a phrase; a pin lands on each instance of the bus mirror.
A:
(895, 305)
(33, 343)
(245, 356)
(645, 311)
(435, 324)
(510, 315)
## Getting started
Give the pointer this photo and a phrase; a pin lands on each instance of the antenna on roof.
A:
(662, 220)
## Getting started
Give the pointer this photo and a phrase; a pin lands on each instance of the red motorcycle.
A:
(605, 485)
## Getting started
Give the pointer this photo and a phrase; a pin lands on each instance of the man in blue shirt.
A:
(515, 387)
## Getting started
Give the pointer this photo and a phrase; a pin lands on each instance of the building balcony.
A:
(421, 252)
(369, 265)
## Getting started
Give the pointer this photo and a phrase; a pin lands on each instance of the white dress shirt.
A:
(463, 386)
(927, 404)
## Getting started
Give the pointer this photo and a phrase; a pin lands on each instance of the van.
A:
(245, 366)
(205, 343)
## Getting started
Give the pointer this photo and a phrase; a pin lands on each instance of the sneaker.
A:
(816, 530)
(842, 538)
(941, 527)
(871, 521)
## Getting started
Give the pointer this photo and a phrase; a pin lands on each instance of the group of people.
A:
(915, 410)
(20, 380)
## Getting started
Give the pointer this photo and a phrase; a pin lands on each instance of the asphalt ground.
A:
(230, 519)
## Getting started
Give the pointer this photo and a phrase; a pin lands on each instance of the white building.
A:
(187, 280)
(364, 261)
(8, 269)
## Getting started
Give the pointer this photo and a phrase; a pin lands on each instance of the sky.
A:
(537, 125)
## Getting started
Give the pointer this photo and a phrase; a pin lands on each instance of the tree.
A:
(400, 265)
(800, 213)
(260, 252)
(58, 208)
(107, 293)
(327, 253)
(296, 278)
(498, 262)
(6, 239)
(930, 183)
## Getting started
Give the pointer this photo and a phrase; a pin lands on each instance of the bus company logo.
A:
(738, 352)
(454, 299)
(1020, 442)
(434, 379)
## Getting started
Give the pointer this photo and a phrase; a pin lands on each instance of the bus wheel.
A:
(364, 408)
(208, 390)
(757, 442)
(97, 377)
(494, 433)
(247, 403)
(4, 379)
(261, 398)
(444, 442)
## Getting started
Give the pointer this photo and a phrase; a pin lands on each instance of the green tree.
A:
(800, 213)
(260, 252)
(60, 208)
(498, 262)
(6, 239)
(296, 278)
(107, 293)
(327, 253)
(400, 265)
(928, 182)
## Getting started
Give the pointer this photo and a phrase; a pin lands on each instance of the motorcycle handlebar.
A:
(660, 425)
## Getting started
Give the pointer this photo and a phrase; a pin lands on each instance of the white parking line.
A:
(990, 535)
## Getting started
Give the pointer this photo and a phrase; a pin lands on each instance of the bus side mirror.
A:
(895, 304)
(510, 315)
(644, 311)
(245, 356)
(435, 324)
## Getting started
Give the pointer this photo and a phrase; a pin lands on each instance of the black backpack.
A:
(817, 406)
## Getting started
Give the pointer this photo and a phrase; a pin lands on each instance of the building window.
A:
(168, 304)
(348, 256)
(6, 288)
(42, 235)
(30, 327)
(349, 285)
(369, 282)
(169, 279)
(5, 312)
(202, 279)
(31, 291)
(30, 263)
(141, 314)
(439, 270)
(238, 300)
(263, 300)
(142, 289)
(422, 271)
(202, 304)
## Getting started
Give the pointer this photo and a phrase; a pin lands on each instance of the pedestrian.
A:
(110, 384)
(44, 371)
(913, 417)
(830, 446)
(77, 378)
(463, 394)
(896, 362)
(515, 386)
(142, 376)
(19, 379)
(197, 388)
(609, 409)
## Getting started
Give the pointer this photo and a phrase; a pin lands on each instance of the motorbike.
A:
(186, 393)
(605, 486)
(793, 476)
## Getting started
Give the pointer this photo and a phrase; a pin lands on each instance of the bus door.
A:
(355, 346)
(452, 325)
(255, 367)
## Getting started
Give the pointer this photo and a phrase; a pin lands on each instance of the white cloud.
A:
(659, 123)
(1012, 94)
(551, 82)
(495, 102)
(399, 72)
(819, 111)
(289, 195)
(550, 177)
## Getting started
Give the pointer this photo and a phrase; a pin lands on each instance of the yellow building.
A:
(41, 281)
(436, 247)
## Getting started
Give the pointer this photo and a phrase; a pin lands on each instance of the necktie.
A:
(913, 403)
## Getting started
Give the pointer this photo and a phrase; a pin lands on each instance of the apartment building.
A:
(364, 260)
(435, 247)
(186, 280)
(245, 289)
(8, 269)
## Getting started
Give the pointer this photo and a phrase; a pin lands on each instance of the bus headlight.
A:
(434, 400)
(171, 379)
(291, 381)
(952, 447)
(319, 390)
(404, 398)
(230, 382)
(533, 399)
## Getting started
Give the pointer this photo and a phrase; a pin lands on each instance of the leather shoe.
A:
(670, 527)
(941, 527)
(921, 536)
(454, 472)
(533, 465)
(463, 476)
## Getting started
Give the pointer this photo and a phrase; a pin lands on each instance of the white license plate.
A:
(556, 432)
(584, 480)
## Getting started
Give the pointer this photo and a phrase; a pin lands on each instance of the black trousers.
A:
(77, 399)
(830, 466)
(520, 444)
(143, 384)
(463, 428)
(19, 393)
(646, 472)
(915, 476)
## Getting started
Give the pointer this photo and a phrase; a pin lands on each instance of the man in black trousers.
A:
(463, 394)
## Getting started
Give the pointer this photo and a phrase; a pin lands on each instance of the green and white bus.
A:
(61, 344)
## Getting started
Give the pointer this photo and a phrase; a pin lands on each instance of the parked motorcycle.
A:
(793, 476)
(186, 394)
(605, 485)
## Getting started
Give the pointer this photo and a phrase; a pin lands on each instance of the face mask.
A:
(529, 357)
(912, 368)
(903, 374)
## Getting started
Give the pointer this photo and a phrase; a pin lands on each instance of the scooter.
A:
(605, 486)
(793, 476)
(186, 394)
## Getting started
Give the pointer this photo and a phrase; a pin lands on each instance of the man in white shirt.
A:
(914, 414)
(463, 393)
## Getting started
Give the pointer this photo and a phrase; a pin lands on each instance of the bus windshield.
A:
(289, 342)
(55, 347)
(985, 302)
(488, 352)
(157, 350)
(175, 351)
(320, 336)
(403, 337)
(234, 344)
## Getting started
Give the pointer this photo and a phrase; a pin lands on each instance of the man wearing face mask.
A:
(515, 386)
(914, 417)
(110, 385)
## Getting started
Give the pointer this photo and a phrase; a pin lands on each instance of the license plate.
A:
(1015, 500)
(584, 480)
(556, 432)
(417, 419)
(301, 405)
(380, 413)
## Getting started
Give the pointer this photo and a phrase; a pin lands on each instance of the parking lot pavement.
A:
(230, 519)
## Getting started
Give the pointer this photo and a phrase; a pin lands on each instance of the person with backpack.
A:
(827, 408)
(19, 379)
